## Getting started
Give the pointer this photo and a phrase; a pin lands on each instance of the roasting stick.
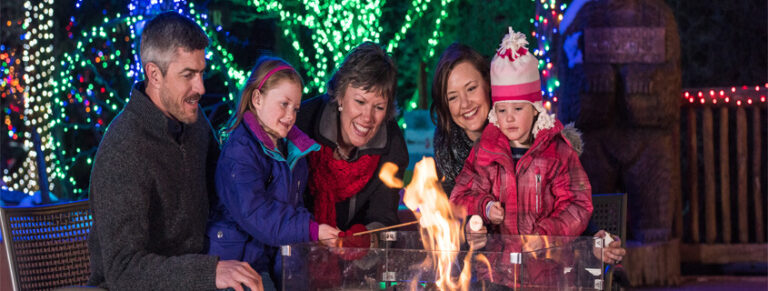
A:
(385, 228)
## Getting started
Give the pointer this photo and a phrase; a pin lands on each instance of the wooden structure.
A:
(723, 176)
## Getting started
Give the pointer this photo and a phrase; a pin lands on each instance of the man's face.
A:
(182, 85)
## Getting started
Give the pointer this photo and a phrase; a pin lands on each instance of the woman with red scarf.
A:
(354, 124)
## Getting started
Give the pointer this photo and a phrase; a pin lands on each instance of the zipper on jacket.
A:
(503, 186)
(538, 190)
(298, 193)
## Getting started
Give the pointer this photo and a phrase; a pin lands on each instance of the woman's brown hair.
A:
(367, 67)
(455, 54)
(264, 65)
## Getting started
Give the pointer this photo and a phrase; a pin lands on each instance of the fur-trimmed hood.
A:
(573, 136)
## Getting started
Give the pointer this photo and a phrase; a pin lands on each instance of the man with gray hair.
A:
(149, 184)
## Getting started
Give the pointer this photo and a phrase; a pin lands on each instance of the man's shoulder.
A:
(124, 137)
(124, 127)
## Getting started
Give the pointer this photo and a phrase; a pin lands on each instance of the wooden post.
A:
(756, 173)
(741, 156)
(655, 264)
(677, 184)
(709, 175)
(723, 253)
(725, 177)
(693, 171)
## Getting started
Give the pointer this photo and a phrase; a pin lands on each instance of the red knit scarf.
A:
(332, 181)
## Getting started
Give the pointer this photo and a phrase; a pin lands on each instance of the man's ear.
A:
(154, 74)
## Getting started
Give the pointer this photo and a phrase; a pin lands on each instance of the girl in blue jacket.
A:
(261, 175)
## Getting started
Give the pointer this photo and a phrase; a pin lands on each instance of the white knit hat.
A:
(515, 78)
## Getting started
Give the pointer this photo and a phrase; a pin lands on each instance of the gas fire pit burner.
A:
(397, 260)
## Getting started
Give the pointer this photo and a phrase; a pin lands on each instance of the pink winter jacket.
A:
(547, 192)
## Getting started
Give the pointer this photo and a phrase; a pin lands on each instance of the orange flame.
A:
(483, 259)
(535, 244)
(387, 175)
(442, 230)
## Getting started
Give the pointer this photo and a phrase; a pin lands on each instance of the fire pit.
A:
(438, 257)
(397, 260)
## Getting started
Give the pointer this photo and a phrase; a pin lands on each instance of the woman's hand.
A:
(613, 252)
(327, 234)
(496, 212)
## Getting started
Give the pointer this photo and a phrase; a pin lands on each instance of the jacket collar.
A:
(329, 130)
(298, 143)
(494, 141)
(151, 116)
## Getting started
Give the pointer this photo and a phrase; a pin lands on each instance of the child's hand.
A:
(495, 212)
(327, 234)
(477, 238)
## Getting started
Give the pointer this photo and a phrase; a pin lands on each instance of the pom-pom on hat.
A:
(515, 78)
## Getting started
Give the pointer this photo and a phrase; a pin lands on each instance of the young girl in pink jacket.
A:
(523, 176)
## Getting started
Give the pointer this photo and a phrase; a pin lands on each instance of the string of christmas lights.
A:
(87, 99)
(85, 95)
(38, 62)
(546, 21)
(11, 90)
(723, 96)
(337, 27)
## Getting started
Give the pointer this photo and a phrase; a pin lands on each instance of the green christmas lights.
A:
(56, 99)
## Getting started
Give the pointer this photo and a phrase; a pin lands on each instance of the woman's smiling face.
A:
(467, 99)
(361, 115)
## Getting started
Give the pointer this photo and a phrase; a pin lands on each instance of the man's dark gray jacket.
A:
(149, 195)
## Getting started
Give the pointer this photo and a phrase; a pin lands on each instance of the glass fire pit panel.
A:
(397, 260)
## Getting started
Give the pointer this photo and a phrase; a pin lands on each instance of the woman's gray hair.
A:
(165, 33)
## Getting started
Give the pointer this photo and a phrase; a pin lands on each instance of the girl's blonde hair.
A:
(264, 65)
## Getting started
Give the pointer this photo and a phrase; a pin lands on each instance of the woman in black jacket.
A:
(354, 124)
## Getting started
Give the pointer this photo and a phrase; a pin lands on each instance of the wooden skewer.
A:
(385, 228)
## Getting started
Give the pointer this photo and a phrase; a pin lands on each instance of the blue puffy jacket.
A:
(259, 204)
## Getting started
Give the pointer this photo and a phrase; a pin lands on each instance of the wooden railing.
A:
(723, 132)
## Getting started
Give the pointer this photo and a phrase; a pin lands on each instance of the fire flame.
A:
(387, 175)
(442, 230)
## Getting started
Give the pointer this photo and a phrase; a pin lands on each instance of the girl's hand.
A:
(327, 234)
(477, 238)
(496, 212)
